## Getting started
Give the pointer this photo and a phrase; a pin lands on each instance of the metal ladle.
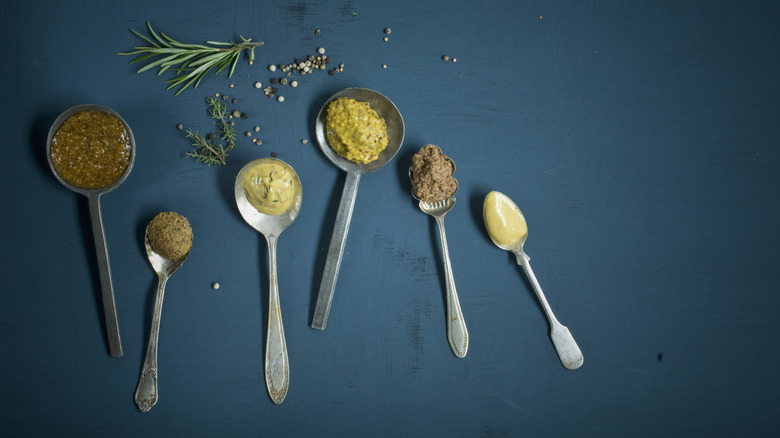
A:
(277, 368)
(99, 236)
(385, 108)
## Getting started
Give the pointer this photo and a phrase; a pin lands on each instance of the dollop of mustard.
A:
(355, 131)
(271, 187)
(504, 222)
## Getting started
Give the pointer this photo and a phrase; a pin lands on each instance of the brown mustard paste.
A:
(431, 174)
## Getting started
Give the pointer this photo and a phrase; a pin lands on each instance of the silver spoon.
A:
(512, 238)
(99, 236)
(457, 334)
(146, 392)
(277, 368)
(395, 133)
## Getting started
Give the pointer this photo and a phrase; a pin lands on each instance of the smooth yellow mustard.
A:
(504, 222)
(355, 131)
(271, 187)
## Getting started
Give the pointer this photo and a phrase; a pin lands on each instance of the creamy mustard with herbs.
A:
(355, 131)
(504, 222)
(271, 187)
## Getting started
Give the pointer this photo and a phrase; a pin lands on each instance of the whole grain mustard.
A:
(355, 131)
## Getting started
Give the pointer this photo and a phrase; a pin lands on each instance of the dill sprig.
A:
(191, 62)
(207, 150)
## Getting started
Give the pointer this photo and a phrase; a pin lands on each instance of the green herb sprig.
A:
(207, 150)
(191, 62)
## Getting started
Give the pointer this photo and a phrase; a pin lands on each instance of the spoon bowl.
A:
(387, 110)
(99, 237)
(507, 228)
(277, 368)
(146, 391)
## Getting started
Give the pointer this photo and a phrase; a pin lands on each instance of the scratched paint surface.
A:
(638, 139)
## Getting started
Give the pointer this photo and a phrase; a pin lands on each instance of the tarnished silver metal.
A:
(568, 351)
(95, 214)
(386, 109)
(457, 334)
(146, 392)
(277, 367)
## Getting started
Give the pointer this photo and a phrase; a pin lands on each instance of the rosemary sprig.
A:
(206, 150)
(191, 62)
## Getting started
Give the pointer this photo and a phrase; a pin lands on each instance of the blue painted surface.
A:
(638, 138)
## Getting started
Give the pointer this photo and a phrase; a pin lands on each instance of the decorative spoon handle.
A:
(277, 366)
(109, 305)
(568, 351)
(146, 392)
(336, 251)
(457, 334)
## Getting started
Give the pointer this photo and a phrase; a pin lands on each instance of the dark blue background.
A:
(640, 140)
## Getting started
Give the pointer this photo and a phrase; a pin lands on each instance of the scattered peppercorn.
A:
(235, 100)
(272, 67)
(454, 59)
(236, 113)
(385, 39)
(257, 129)
(317, 32)
(248, 134)
(283, 81)
(258, 84)
(280, 98)
(211, 136)
(215, 286)
(445, 58)
(387, 30)
(384, 65)
(274, 154)
(321, 50)
(304, 141)
(179, 127)
(294, 84)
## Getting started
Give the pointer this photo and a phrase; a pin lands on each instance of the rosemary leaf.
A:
(190, 62)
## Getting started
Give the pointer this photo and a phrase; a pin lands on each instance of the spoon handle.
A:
(336, 250)
(568, 351)
(107, 289)
(277, 366)
(146, 392)
(457, 334)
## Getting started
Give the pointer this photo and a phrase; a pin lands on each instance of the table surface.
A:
(638, 138)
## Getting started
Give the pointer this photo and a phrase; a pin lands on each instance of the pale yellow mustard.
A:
(355, 131)
(271, 187)
(504, 222)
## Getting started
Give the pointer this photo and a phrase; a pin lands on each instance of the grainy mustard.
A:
(355, 131)
(91, 149)
(170, 234)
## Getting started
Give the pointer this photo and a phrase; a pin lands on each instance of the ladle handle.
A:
(568, 351)
(104, 269)
(336, 250)
(277, 366)
(146, 391)
(457, 334)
